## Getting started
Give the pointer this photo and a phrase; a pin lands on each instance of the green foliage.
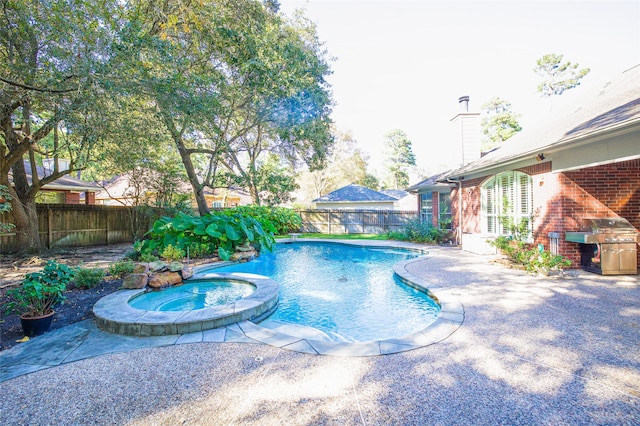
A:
(545, 261)
(419, 232)
(172, 253)
(86, 278)
(5, 206)
(557, 76)
(279, 220)
(41, 291)
(120, 268)
(498, 123)
(533, 259)
(220, 232)
(400, 158)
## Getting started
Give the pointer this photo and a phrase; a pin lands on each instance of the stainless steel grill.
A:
(608, 247)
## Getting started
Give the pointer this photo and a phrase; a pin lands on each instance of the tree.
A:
(557, 76)
(499, 122)
(346, 164)
(53, 56)
(400, 158)
(231, 82)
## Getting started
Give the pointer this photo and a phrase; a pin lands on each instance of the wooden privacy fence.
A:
(68, 225)
(355, 221)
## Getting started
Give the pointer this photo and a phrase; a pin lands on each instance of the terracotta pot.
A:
(34, 326)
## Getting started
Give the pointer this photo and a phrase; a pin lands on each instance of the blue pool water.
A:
(194, 295)
(348, 292)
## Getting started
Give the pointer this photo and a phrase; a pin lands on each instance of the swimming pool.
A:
(348, 292)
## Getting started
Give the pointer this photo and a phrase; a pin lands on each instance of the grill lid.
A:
(612, 225)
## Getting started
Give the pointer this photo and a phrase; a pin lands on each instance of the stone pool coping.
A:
(114, 314)
(450, 318)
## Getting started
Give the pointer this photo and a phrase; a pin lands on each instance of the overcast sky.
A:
(404, 64)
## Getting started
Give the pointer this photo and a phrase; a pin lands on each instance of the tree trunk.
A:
(26, 221)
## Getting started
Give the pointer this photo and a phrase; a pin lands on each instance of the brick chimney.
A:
(467, 131)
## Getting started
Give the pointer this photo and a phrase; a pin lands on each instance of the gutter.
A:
(459, 230)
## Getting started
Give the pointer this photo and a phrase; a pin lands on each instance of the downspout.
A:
(459, 230)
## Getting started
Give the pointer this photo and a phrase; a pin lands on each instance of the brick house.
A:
(580, 163)
(64, 190)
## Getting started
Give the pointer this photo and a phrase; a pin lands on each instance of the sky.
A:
(404, 64)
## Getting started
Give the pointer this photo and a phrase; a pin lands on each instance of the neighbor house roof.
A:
(395, 193)
(354, 193)
(614, 107)
(432, 183)
(64, 183)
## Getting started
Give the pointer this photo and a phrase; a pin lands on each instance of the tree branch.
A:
(37, 89)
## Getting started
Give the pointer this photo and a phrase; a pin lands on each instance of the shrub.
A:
(279, 220)
(419, 232)
(172, 253)
(86, 278)
(535, 260)
(120, 268)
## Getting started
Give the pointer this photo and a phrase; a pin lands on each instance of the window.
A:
(50, 197)
(506, 202)
(445, 210)
(426, 208)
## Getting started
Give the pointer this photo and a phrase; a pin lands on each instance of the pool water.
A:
(192, 296)
(348, 292)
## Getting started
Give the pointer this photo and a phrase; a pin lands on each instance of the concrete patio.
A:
(531, 350)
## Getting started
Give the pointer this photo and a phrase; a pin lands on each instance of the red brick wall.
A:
(90, 198)
(611, 190)
(71, 197)
(562, 200)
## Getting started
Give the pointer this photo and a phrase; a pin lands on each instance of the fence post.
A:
(49, 228)
(107, 218)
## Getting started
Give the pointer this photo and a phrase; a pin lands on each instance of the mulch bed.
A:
(77, 307)
(79, 303)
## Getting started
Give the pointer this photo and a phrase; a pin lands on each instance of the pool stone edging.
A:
(113, 313)
(449, 320)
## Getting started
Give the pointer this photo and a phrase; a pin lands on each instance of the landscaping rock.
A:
(135, 281)
(158, 266)
(175, 266)
(164, 279)
(187, 272)
(141, 268)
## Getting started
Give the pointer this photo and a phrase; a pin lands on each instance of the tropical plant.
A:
(220, 233)
(41, 291)
(280, 220)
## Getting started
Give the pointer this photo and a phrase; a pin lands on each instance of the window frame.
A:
(514, 187)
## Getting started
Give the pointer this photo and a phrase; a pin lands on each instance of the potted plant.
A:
(39, 293)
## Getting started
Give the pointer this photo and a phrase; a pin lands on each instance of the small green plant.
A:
(172, 253)
(86, 278)
(120, 268)
(148, 257)
(542, 261)
(41, 291)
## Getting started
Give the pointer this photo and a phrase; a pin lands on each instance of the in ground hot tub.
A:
(116, 313)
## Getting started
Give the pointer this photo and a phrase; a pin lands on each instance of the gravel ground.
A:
(532, 350)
